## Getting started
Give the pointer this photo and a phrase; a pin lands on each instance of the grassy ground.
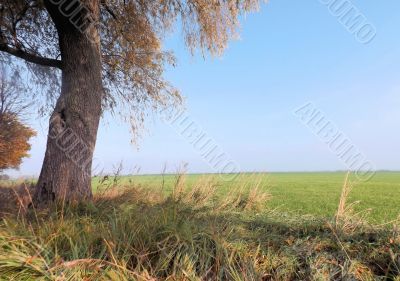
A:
(193, 233)
(314, 194)
(200, 228)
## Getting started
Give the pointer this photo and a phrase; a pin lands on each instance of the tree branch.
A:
(31, 57)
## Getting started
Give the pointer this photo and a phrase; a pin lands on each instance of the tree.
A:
(14, 142)
(14, 135)
(103, 54)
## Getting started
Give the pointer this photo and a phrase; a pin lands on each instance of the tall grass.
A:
(346, 218)
(132, 233)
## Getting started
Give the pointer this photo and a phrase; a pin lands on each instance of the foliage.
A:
(131, 34)
(14, 135)
(14, 141)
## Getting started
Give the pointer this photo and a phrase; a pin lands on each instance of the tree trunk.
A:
(66, 171)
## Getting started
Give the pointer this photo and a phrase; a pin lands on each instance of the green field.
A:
(131, 231)
(314, 194)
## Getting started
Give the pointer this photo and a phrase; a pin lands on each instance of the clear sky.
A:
(289, 54)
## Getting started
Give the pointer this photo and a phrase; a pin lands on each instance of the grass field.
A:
(314, 194)
(280, 226)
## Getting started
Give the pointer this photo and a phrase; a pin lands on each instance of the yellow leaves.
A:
(14, 145)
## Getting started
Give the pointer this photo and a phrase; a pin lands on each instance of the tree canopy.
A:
(14, 135)
(131, 34)
(14, 141)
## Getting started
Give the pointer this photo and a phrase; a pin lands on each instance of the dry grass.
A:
(15, 198)
(131, 233)
(346, 219)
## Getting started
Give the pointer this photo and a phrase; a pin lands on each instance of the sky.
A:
(289, 54)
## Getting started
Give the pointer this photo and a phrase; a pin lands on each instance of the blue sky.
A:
(290, 53)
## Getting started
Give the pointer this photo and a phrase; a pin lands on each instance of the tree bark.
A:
(66, 170)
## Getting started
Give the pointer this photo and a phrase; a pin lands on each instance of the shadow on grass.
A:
(136, 234)
(15, 199)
